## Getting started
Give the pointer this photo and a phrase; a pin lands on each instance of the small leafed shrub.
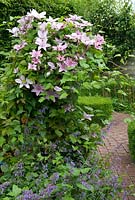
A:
(100, 107)
(131, 138)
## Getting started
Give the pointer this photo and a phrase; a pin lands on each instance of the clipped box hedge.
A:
(131, 138)
(100, 107)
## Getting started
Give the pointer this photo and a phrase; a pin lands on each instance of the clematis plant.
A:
(54, 61)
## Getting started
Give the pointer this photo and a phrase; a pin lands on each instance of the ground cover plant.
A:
(48, 142)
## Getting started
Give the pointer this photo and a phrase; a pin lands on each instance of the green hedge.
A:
(54, 8)
(100, 107)
(131, 138)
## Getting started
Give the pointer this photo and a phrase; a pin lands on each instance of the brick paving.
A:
(116, 149)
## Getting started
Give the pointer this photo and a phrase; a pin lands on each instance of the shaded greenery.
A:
(55, 8)
(131, 137)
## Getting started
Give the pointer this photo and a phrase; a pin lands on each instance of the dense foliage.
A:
(118, 86)
(131, 137)
(48, 142)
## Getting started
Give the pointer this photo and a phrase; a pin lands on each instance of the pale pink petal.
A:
(18, 81)
(57, 89)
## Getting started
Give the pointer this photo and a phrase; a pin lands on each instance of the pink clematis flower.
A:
(36, 61)
(42, 43)
(36, 15)
(24, 82)
(18, 47)
(16, 70)
(75, 36)
(75, 17)
(32, 67)
(85, 23)
(57, 89)
(87, 116)
(51, 20)
(37, 89)
(42, 26)
(25, 23)
(87, 41)
(57, 25)
(62, 67)
(52, 93)
(60, 58)
(42, 34)
(15, 31)
(51, 65)
(99, 40)
(70, 62)
(60, 47)
(58, 41)
(36, 54)
(41, 40)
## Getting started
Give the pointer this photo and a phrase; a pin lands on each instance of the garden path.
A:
(116, 149)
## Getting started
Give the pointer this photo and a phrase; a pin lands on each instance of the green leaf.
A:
(84, 64)
(85, 170)
(122, 92)
(41, 99)
(48, 86)
(81, 186)
(76, 172)
(58, 133)
(86, 85)
(20, 138)
(2, 141)
(63, 96)
(95, 85)
(117, 55)
(67, 197)
(4, 168)
(73, 139)
(66, 78)
(15, 191)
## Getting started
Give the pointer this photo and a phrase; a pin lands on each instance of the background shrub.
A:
(117, 23)
(131, 137)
